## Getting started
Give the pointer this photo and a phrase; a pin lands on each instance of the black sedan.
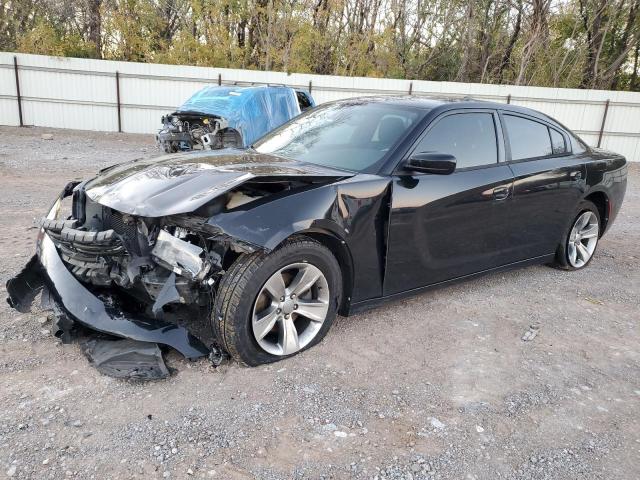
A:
(347, 206)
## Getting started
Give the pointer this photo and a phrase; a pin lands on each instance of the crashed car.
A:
(347, 206)
(229, 117)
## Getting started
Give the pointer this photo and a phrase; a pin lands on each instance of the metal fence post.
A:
(508, 98)
(310, 87)
(18, 97)
(118, 101)
(410, 88)
(219, 79)
(604, 119)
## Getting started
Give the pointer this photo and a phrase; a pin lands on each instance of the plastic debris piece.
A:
(168, 294)
(126, 359)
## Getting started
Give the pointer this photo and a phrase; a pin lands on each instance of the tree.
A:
(560, 43)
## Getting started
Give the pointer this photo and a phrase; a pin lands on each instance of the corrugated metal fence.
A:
(131, 97)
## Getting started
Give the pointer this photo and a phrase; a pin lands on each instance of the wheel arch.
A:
(601, 200)
(340, 250)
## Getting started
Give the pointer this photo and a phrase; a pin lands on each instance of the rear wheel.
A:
(272, 306)
(581, 238)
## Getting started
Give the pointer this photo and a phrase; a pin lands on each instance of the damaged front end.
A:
(115, 273)
(153, 262)
(138, 251)
(185, 131)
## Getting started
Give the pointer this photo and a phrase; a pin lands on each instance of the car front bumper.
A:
(46, 269)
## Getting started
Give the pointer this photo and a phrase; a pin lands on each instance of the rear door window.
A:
(527, 138)
(470, 137)
(558, 144)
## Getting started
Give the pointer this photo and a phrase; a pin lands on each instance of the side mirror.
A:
(432, 162)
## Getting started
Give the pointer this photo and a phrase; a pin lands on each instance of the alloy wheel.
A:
(583, 239)
(290, 309)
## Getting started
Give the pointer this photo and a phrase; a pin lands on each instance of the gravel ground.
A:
(437, 386)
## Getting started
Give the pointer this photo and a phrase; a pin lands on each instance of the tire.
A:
(238, 296)
(563, 260)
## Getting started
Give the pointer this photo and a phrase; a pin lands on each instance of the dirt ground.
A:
(437, 386)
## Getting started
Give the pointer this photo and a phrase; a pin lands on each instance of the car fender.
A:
(354, 211)
(267, 225)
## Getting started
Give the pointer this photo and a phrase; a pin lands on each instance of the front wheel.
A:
(581, 239)
(271, 306)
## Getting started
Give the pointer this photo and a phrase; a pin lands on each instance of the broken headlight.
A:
(179, 256)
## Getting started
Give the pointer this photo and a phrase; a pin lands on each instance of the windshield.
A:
(211, 100)
(349, 135)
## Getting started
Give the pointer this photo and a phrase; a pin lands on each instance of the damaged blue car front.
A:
(230, 117)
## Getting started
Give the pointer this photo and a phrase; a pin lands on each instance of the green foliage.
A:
(44, 39)
(561, 43)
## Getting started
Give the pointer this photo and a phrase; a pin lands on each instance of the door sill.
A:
(364, 305)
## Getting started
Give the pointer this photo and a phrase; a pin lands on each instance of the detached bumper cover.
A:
(87, 309)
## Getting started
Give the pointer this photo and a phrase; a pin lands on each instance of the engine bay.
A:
(191, 131)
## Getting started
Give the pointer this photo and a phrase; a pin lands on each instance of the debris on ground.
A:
(437, 424)
(217, 355)
(531, 333)
(595, 301)
(126, 358)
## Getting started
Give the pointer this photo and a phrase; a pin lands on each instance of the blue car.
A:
(230, 117)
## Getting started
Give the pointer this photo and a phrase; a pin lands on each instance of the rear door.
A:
(447, 226)
(549, 182)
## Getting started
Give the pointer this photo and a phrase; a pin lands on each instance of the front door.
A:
(446, 226)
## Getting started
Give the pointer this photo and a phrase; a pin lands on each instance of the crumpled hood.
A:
(183, 182)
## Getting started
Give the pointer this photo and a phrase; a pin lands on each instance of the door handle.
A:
(500, 193)
(575, 175)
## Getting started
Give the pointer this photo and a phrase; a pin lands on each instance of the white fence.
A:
(110, 96)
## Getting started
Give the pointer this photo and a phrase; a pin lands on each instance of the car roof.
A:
(243, 88)
(443, 103)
